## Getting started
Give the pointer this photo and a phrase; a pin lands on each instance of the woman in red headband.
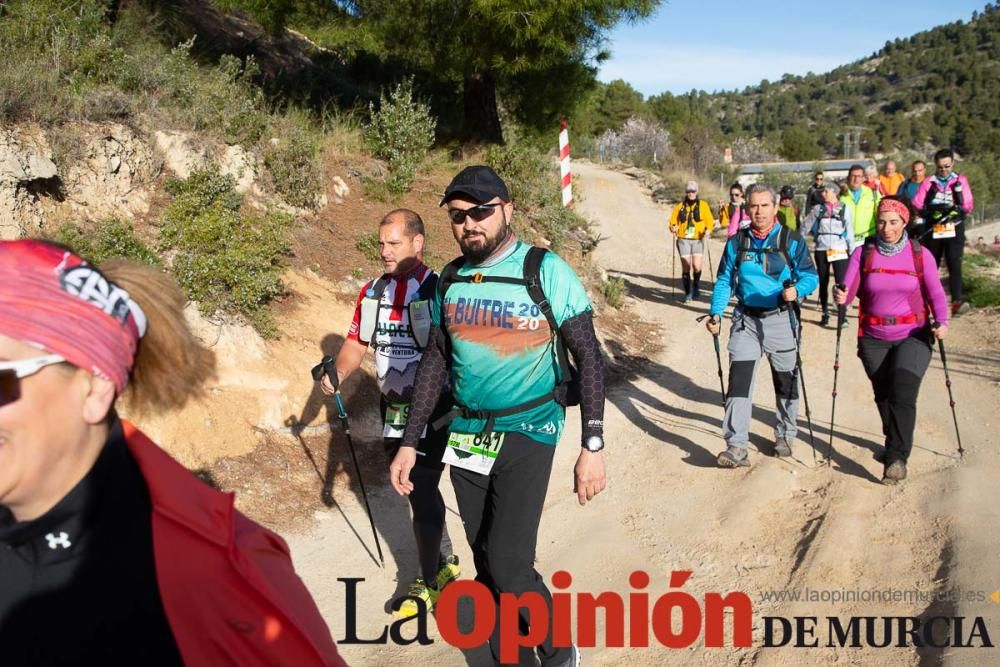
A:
(110, 551)
(903, 307)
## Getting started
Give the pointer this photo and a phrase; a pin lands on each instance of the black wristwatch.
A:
(594, 443)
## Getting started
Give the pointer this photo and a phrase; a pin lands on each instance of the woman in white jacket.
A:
(831, 225)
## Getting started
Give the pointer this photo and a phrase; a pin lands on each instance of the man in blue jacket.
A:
(755, 266)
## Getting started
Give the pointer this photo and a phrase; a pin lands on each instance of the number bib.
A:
(476, 452)
(396, 417)
(945, 230)
(836, 255)
(690, 233)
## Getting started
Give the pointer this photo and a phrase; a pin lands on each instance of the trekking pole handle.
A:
(327, 367)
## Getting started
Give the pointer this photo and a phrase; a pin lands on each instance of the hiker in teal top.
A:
(506, 319)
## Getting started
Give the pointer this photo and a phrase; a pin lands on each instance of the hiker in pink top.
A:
(901, 297)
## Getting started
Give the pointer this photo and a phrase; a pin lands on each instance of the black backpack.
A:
(567, 391)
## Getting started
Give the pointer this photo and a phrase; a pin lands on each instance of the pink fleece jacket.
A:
(736, 221)
(896, 294)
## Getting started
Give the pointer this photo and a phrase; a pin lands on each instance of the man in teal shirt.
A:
(503, 353)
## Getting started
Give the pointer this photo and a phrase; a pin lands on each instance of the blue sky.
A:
(717, 45)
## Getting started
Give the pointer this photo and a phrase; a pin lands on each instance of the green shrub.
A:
(614, 292)
(225, 260)
(980, 284)
(400, 132)
(367, 244)
(112, 239)
(292, 158)
(533, 181)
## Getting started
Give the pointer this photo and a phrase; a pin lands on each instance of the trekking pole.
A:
(673, 263)
(795, 314)
(711, 269)
(326, 367)
(951, 399)
(718, 361)
(841, 313)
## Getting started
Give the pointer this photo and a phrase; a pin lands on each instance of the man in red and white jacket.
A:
(392, 316)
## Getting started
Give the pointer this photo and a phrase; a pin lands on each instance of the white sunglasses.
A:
(12, 371)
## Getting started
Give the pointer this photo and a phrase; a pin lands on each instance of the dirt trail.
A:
(780, 524)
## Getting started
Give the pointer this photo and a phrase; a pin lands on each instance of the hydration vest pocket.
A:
(369, 319)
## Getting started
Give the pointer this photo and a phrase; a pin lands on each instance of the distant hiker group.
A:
(882, 239)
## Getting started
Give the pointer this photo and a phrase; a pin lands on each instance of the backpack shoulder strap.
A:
(918, 260)
(377, 288)
(449, 275)
(533, 283)
(783, 240)
(428, 287)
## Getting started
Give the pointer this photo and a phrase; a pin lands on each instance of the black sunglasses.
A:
(477, 213)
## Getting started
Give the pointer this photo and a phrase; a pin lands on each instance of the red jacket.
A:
(228, 586)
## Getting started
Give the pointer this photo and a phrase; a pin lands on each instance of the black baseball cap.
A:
(478, 182)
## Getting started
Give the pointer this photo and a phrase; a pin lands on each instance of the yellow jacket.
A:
(687, 222)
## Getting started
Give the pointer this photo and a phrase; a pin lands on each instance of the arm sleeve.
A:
(852, 278)
(431, 378)
(918, 199)
(723, 279)
(581, 341)
(933, 289)
(966, 195)
(806, 279)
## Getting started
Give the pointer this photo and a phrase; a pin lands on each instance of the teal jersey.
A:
(503, 353)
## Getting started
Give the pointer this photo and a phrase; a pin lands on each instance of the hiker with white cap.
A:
(690, 221)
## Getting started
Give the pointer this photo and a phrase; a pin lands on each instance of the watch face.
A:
(593, 444)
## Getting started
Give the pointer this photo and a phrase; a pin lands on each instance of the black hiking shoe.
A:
(733, 457)
(894, 473)
(825, 320)
(782, 447)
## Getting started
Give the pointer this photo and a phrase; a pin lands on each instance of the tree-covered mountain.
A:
(937, 88)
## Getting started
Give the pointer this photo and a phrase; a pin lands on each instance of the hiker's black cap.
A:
(787, 192)
(479, 182)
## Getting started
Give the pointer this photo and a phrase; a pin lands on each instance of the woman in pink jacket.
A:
(903, 307)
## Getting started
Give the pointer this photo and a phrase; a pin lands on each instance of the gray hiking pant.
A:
(749, 339)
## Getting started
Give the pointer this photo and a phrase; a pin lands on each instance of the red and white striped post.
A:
(567, 178)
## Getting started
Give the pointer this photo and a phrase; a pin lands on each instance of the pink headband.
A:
(52, 299)
(895, 206)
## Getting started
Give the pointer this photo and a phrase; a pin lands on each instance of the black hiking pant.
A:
(501, 512)
(896, 369)
(426, 503)
(823, 269)
(951, 250)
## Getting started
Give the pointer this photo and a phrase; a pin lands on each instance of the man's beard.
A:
(484, 245)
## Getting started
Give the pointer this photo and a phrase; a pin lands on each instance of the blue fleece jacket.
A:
(757, 281)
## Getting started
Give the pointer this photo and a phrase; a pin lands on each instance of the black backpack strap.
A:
(428, 287)
(449, 275)
(378, 288)
(533, 283)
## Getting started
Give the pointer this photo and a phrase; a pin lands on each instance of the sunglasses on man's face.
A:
(477, 213)
(11, 373)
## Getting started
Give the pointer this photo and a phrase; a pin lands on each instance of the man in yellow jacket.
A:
(690, 221)
(862, 201)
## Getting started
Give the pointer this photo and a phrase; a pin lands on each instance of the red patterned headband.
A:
(895, 206)
(54, 300)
